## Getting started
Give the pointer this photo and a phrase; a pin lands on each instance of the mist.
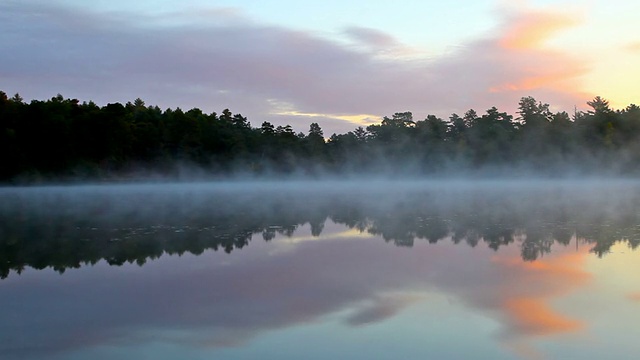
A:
(70, 226)
(62, 141)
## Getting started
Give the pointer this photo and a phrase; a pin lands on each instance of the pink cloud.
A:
(531, 29)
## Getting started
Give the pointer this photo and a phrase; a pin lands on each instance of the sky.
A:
(340, 64)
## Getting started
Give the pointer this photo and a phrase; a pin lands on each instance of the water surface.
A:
(384, 270)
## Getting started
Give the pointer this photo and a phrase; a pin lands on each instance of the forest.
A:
(62, 139)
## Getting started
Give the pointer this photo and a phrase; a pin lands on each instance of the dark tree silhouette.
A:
(64, 139)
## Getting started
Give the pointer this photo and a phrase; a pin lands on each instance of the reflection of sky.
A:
(325, 299)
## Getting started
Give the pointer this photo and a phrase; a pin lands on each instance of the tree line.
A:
(63, 137)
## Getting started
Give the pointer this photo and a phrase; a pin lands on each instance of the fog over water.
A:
(233, 269)
(401, 210)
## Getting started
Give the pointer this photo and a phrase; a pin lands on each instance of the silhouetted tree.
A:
(63, 137)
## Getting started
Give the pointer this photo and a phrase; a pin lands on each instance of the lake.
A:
(321, 270)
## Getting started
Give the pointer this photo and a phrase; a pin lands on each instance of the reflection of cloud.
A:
(635, 297)
(535, 317)
(528, 309)
(380, 309)
(350, 234)
(525, 304)
(196, 302)
(245, 66)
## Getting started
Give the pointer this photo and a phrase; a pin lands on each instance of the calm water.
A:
(376, 270)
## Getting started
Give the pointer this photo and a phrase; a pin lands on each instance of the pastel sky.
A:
(341, 64)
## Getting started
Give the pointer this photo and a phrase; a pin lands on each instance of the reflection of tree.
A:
(536, 246)
(135, 228)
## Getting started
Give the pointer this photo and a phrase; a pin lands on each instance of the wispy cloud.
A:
(372, 37)
(380, 44)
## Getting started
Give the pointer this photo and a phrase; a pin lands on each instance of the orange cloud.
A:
(635, 297)
(532, 82)
(527, 66)
(532, 29)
